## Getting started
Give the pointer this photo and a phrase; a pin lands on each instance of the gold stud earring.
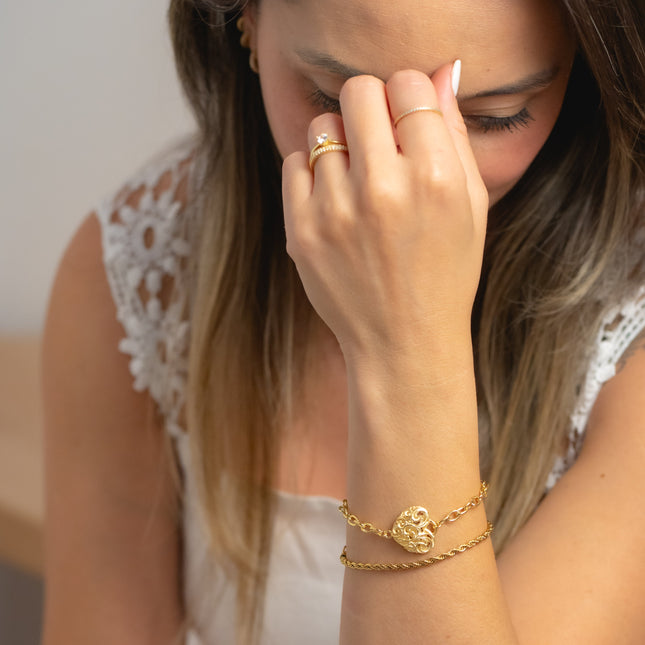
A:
(245, 41)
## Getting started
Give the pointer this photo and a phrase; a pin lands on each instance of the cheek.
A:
(503, 158)
(288, 127)
(287, 112)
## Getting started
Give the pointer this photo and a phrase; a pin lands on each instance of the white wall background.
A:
(87, 93)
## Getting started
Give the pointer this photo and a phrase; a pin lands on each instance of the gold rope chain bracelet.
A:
(413, 529)
(406, 566)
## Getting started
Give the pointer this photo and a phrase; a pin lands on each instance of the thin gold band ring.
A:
(325, 144)
(422, 108)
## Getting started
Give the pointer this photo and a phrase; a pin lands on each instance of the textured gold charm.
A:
(414, 530)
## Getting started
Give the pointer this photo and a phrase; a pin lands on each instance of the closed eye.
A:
(482, 123)
(320, 99)
(500, 123)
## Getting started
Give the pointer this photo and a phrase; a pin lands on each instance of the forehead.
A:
(380, 36)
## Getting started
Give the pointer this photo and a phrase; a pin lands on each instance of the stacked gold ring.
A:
(421, 108)
(323, 145)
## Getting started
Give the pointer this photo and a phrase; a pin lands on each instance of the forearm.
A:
(413, 441)
(389, 250)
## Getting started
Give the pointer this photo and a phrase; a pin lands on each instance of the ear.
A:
(250, 14)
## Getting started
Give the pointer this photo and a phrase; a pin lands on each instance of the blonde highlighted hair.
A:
(560, 250)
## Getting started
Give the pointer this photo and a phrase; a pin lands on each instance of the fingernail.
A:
(456, 76)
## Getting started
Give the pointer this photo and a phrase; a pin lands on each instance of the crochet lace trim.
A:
(145, 252)
(621, 326)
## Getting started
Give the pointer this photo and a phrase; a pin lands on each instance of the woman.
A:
(401, 349)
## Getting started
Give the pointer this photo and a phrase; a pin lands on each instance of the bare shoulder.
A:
(637, 346)
(111, 535)
(577, 559)
(82, 333)
(80, 272)
(619, 412)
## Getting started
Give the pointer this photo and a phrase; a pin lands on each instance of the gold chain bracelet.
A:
(405, 566)
(413, 529)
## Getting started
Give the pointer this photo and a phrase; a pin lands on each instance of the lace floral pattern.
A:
(144, 252)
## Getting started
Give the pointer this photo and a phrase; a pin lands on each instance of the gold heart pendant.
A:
(414, 530)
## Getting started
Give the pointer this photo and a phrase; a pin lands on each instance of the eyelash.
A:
(501, 123)
(482, 123)
(326, 102)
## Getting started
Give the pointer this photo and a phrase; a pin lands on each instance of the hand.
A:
(388, 239)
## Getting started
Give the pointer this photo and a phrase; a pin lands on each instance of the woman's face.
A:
(516, 56)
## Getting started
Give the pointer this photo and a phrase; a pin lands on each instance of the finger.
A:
(325, 131)
(422, 135)
(443, 81)
(366, 119)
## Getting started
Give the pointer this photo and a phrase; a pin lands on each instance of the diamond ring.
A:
(323, 145)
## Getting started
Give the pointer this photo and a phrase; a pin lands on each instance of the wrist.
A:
(437, 360)
(409, 377)
(402, 405)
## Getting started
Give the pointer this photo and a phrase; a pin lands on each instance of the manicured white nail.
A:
(456, 76)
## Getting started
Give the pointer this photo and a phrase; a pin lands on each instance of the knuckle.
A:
(480, 196)
(441, 181)
(336, 217)
(291, 248)
(329, 210)
(435, 176)
(300, 244)
(378, 193)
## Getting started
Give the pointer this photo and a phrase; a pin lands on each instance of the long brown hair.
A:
(560, 250)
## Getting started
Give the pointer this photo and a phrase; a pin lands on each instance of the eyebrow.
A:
(535, 81)
(329, 64)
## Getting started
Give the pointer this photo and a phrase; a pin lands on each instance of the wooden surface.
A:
(21, 454)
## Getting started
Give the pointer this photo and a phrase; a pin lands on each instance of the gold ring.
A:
(325, 144)
(422, 108)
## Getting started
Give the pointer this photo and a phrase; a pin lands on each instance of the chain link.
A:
(453, 516)
(403, 566)
(366, 527)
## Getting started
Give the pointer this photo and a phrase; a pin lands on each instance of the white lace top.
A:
(145, 245)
